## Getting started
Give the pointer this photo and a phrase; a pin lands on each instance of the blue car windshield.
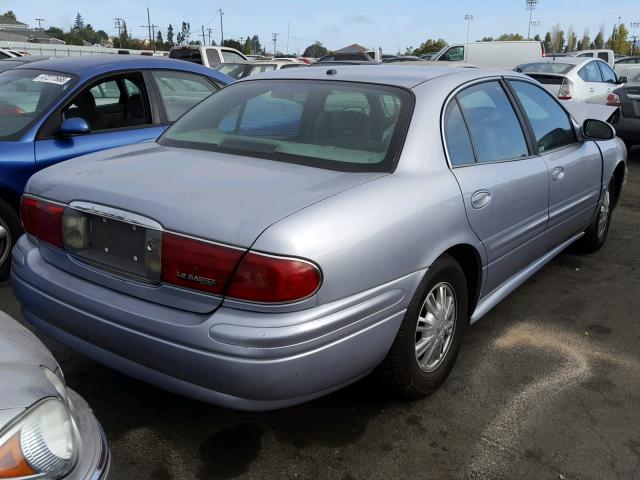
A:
(24, 95)
(335, 125)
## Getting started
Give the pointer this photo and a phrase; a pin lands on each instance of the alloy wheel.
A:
(5, 241)
(603, 214)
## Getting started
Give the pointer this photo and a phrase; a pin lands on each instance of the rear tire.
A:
(10, 229)
(416, 366)
(595, 236)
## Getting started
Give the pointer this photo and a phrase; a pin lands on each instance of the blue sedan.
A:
(57, 109)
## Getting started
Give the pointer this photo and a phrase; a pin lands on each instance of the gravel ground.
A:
(547, 386)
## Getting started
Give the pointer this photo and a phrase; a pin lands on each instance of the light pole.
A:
(535, 24)
(39, 20)
(274, 37)
(468, 19)
(530, 5)
(634, 25)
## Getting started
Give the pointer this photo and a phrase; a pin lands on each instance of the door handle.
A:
(557, 174)
(480, 199)
(592, 89)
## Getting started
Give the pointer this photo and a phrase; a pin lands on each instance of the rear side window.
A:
(232, 56)
(590, 73)
(494, 127)
(325, 124)
(603, 56)
(180, 91)
(550, 123)
(213, 57)
(457, 137)
(188, 54)
(608, 75)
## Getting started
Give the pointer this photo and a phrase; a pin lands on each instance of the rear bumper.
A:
(233, 358)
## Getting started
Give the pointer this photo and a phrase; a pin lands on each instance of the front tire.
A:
(9, 231)
(595, 236)
(428, 341)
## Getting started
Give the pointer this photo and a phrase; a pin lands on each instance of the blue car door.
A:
(117, 109)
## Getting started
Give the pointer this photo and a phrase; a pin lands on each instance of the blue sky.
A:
(337, 23)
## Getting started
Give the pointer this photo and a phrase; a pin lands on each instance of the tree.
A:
(572, 40)
(10, 14)
(537, 38)
(547, 42)
(184, 34)
(55, 32)
(557, 39)
(232, 44)
(618, 41)
(79, 22)
(510, 37)
(170, 35)
(159, 41)
(429, 46)
(586, 41)
(598, 42)
(487, 39)
(316, 50)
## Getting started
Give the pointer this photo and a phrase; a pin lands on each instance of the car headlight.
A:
(41, 443)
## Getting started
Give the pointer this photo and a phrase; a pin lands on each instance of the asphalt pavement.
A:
(547, 386)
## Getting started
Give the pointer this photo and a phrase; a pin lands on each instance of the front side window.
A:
(454, 54)
(550, 123)
(590, 73)
(112, 103)
(325, 124)
(493, 124)
(180, 91)
(25, 94)
(608, 75)
(457, 137)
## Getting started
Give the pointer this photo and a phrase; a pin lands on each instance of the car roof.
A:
(92, 65)
(383, 74)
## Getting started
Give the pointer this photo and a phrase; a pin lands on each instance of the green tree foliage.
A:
(585, 43)
(598, 42)
(429, 46)
(79, 36)
(316, 50)
(159, 41)
(252, 46)
(487, 39)
(618, 42)
(537, 38)
(10, 14)
(547, 42)
(510, 37)
(183, 35)
(170, 36)
(232, 44)
(79, 22)
(572, 40)
(557, 39)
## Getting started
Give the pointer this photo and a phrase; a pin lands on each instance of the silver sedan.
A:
(297, 231)
(47, 431)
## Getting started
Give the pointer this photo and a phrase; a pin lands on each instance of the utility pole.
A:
(221, 28)
(468, 19)
(204, 38)
(209, 32)
(530, 5)
(288, 31)
(274, 37)
(118, 25)
(152, 31)
(39, 20)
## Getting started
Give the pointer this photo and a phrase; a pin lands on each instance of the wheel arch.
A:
(471, 263)
(618, 178)
(10, 197)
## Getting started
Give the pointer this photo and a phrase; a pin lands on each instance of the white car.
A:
(607, 55)
(7, 53)
(498, 54)
(585, 79)
(208, 56)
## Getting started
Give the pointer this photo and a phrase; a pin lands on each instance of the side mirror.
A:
(598, 130)
(622, 80)
(74, 126)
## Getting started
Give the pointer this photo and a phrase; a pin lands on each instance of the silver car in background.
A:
(47, 431)
(575, 78)
(299, 230)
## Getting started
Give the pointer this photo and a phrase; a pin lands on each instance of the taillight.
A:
(197, 264)
(42, 219)
(270, 279)
(613, 100)
(566, 89)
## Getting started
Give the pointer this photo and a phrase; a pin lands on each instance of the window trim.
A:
(452, 95)
(46, 130)
(585, 66)
(572, 122)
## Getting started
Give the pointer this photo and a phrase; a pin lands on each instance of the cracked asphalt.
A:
(547, 386)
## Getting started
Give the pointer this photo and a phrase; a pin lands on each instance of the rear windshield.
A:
(25, 95)
(334, 125)
(188, 54)
(557, 68)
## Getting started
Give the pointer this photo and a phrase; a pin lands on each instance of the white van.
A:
(506, 54)
(603, 54)
(208, 56)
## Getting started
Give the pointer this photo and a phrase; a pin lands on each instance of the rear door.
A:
(596, 89)
(575, 167)
(116, 107)
(505, 187)
(609, 78)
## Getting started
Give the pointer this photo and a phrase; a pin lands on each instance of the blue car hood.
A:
(217, 196)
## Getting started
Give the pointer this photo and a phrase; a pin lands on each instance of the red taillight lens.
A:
(197, 264)
(264, 278)
(613, 100)
(43, 220)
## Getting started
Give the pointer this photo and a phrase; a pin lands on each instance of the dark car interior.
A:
(112, 103)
